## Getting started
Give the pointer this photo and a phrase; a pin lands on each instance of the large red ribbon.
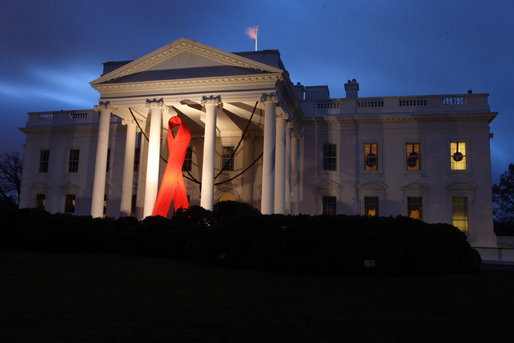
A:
(172, 185)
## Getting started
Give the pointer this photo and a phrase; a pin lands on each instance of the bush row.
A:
(237, 235)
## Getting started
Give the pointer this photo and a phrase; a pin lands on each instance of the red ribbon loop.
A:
(172, 184)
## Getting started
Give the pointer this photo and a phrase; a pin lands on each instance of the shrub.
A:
(237, 235)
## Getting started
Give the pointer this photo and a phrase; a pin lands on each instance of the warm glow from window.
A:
(226, 197)
(460, 213)
(371, 206)
(458, 155)
(414, 207)
(413, 156)
(370, 156)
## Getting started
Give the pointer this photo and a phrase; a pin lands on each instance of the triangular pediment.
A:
(329, 186)
(374, 185)
(460, 186)
(176, 59)
(416, 186)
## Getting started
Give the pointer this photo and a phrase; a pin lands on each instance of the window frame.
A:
(40, 201)
(466, 210)
(466, 156)
(73, 164)
(44, 162)
(187, 166)
(325, 201)
(366, 205)
(363, 154)
(333, 159)
(420, 160)
(231, 165)
(70, 203)
(409, 205)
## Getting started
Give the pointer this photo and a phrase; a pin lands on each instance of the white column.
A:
(209, 151)
(280, 167)
(127, 182)
(154, 154)
(287, 179)
(97, 198)
(295, 176)
(268, 155)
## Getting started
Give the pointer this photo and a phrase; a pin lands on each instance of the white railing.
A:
(404, 104)
(66, 118)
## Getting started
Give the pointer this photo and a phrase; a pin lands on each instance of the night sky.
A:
(51, 50)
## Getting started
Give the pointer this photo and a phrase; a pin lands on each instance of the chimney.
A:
(299, 91)
(351, 88)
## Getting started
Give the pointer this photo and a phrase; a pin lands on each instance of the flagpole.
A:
(256, 35)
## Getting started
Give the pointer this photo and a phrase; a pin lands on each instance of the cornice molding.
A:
(182, 83)
(408, 117)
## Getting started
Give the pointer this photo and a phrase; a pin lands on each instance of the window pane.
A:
(228, 161)
(413, 156)
(371, 156)
(187, 160)
(69, 204)
(458, 155)
(329, 206)
(460, 213)
(329, 156)
(414, 207)
(73, 162)
(40, 201)
(44, 157)
(371, 206)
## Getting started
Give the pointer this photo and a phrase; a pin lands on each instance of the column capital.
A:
(103, 106)
(128, 122)
(212, 100)
(290, 125)
(271, 97)
(155, 103)
(282, 116)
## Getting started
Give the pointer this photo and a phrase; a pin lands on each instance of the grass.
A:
(107, 298)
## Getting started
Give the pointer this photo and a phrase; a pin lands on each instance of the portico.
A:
(214, 93)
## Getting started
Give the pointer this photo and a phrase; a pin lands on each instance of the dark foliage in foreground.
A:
(237, 235)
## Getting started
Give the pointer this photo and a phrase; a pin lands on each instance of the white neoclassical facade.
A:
(259, 139)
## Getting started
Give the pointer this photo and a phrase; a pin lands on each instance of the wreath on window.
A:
(412, 160)
(371, 160)
(458, 156)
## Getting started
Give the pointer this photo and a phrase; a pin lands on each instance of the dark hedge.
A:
(237, 235)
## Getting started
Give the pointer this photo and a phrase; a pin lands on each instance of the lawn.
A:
(107, 298)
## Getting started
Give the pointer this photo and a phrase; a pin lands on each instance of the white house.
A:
(259, 139)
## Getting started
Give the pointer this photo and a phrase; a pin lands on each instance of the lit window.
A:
(108, 160)
(413, 156)
(329, 156)
(371, 156)
(136, 159)
(371, 206)
(458, 155)
(44, 157)
(329, 206)
(73, 162)
(228, 160)
(460, 213)
(188, 160)
(40, 201)
(414, 207)
(69, 204)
